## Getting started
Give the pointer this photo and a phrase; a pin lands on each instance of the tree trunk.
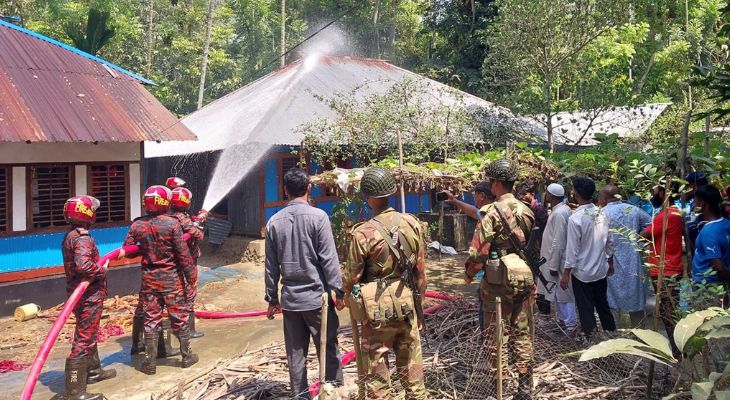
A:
(547, 96)
(150, 38)
(392, 29)
(206, 48)
(707, 133)
(376, 29)
(683, 145)
(283, 33)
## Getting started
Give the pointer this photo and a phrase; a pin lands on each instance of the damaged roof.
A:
(271, 109)
(51, 92)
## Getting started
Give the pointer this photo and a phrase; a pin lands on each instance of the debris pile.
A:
(455, 364)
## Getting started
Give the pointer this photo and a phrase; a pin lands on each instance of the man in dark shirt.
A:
(301, 253)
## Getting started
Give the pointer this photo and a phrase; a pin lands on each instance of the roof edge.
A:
(77, 51)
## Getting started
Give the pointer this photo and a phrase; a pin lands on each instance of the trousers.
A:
(592, 297)
(153, 305)
(403, 340)
(88, 315)
(299, 328)
(516, 305)
(567, 315)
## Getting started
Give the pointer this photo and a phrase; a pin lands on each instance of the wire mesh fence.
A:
(457, 364)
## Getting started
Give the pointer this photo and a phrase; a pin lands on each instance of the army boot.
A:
(149, 364)
(164, 343)
(524, 387)
(137, 335)
(193, 333)
(188, 358)
(94, 371)
(76, 381)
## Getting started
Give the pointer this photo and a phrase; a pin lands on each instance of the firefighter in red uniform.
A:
(80, 257)
(180, 203)
(166, 264)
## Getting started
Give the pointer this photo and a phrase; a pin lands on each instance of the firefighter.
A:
(80, 263)
(166, 264)
(180, 203)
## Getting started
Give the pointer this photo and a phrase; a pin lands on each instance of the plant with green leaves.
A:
(691, 336)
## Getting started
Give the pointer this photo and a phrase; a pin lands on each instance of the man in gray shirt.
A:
(300, 251)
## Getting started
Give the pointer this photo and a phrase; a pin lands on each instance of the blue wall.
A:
(271, 191)
(23, 253)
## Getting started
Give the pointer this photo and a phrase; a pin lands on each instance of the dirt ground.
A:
(230, 281)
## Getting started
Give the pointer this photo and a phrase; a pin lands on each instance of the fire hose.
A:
(73, 299)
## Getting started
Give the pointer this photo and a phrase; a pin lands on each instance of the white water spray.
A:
(241, 158)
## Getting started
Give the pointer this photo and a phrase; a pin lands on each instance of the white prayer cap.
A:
(556, 190)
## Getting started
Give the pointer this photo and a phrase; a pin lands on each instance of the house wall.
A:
(25, 252)
(28, 153)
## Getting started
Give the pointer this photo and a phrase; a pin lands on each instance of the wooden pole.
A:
(499, 338)
(323, 338)
(402, 178)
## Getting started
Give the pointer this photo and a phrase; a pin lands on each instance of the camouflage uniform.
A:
(80, 257)
(166, 263)
(190, 288)
(370, 259)
(517, 296)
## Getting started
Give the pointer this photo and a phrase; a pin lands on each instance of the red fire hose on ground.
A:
(73, 299)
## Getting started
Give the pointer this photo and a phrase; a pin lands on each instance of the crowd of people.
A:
(588, 243)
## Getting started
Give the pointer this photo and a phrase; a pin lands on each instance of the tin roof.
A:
(51, 92)
(271, 109)
(579, 128)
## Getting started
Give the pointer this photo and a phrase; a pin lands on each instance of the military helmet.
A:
(377, 182)
(502, 169)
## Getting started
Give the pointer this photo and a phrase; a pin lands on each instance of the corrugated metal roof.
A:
(52, 93)
(579, 128)
(271, 109)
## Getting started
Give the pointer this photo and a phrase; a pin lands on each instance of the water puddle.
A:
(216, 274)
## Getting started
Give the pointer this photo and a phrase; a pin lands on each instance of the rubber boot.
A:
(137, 336)
(95, 372)
(76, 381)
(524, 387)
(188, 358)
(164, 343)
(149, 364)
(193, 333)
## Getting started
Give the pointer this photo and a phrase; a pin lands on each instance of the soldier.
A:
(80, 258)
(180, 203)
(166, 261)
(506, 275)
(381, 251)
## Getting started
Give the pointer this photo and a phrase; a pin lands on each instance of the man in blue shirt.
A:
(711, 261)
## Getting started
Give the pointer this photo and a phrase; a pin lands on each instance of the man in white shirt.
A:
(553, 250)
(588, 259)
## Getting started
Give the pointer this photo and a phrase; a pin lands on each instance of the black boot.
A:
(524, 387)
(188, 358)
(137, 335)
(149, 364)
(95, 372)
(164, 343)
(193, 333)
(76, 381)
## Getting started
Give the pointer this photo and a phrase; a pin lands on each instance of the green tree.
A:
(533, 48)
(95, 35)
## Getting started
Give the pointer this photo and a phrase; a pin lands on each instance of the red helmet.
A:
(181, 198)
(174, 182)
(157, 199)
(80, 210)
